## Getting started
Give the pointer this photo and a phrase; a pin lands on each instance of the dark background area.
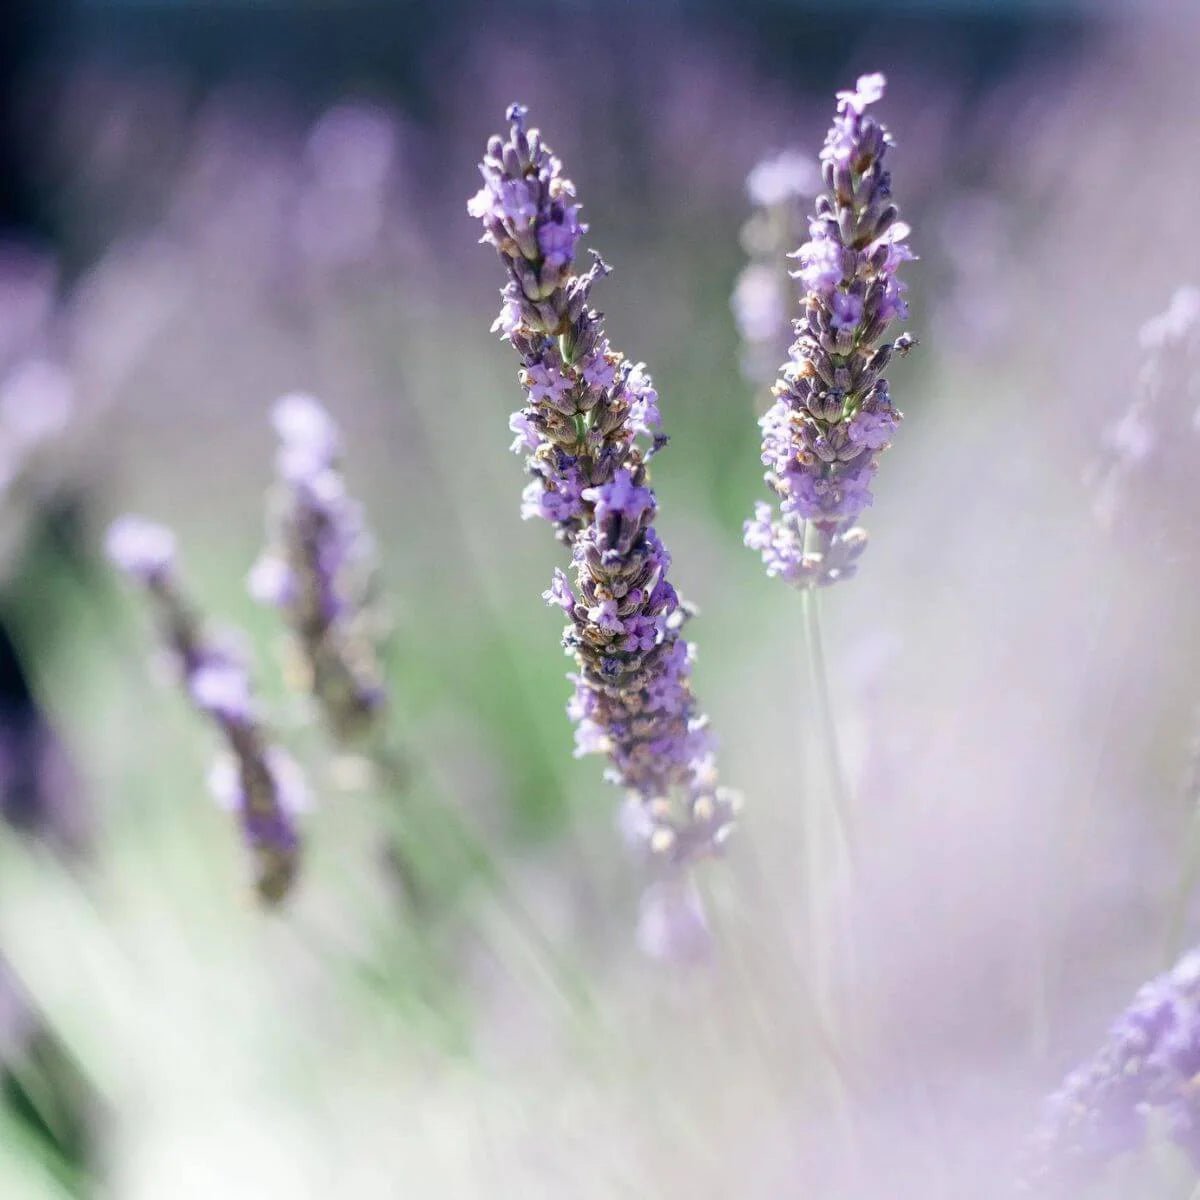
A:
(315, 53)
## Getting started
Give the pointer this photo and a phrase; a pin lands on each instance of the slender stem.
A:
(828, 848)
(828, 724)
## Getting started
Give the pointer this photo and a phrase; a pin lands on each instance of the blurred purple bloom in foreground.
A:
(588, 428)
(319, 568)
(1148, 1064)
(832, 415)
(257, 781)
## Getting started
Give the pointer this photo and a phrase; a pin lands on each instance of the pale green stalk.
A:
(831, 746)
(828, 852)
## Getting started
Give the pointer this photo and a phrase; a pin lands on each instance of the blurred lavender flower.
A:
(37, 393)
(37, 399)
(1151, 446)
(319, 568)
(832, 415)
(342, 210)
(764, 293)
(258, 780)
(588, 428)
(1148, 1064)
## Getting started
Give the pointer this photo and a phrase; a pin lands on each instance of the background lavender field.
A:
(210, 207)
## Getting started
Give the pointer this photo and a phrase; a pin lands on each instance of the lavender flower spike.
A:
(1149, 1062)
(1150, 452)
(588, 428)
(832, 415)
(779, 188)
(319, 569)
(258, 781)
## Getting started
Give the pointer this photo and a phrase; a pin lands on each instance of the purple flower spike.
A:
(319, 569)
(1149, 1063)
(1149, 455)
(261, 786)
(832, 416)
(762, 300)
(588, 428)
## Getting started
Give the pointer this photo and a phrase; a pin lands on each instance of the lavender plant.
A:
(1148, 448)
(257, 779)
(319, 569)
(40, 407)
(833, 415)
(1147, 1067)
(1147, 463)
(588, 429)
(765, 290)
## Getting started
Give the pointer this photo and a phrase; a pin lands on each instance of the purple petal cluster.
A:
(588, 428)
(1148, 1064)
(833, 415)
(256, 780)
(319, 568)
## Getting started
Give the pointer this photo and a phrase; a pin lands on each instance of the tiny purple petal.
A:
(271, 582)
(559, 593)
(847, 309)
(527, 439)
(141, 548)
(868, 90)
(301, 422)
(223, 690)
